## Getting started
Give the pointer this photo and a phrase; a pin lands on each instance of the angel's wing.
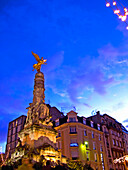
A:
(36, 56)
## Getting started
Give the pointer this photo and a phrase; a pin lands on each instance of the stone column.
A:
(38, 92)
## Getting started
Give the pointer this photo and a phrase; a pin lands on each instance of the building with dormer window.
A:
(77, 142)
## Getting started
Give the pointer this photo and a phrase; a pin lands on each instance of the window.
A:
(85, 132)
(59, 133)
(95, 156)
(87, 155)
(16, 136)
(86, 144)
(57, 122)
(102, 120)
(92, 134)
(101, 148)
(98, 126)
(73, 129)
(84, 121)
(114, 142)
(94, 146)
(19, 127)
(100, 137)
(102, 160)
(72, 119)
(109, 153)
(73, 142)
(59, 144)
(74, 154)
(117, 143)
(91, 123)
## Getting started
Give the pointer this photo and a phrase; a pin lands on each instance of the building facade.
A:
(14, 128)
(114, 139)
(79, 138)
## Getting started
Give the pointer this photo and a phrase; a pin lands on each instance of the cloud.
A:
(87, 105)
(54, 62)
(90, 78)
(125, 121)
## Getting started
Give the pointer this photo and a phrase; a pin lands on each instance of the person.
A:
(26, 165)
(47, 167)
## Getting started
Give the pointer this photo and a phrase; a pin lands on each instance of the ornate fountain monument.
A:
(38, 136)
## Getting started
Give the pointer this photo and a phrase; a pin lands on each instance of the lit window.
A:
(92, 134)
(73, 129)
(73, 142)
(102, 160)
(85, 132)
(72, 119)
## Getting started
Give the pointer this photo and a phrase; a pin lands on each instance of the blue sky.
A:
(86, 47)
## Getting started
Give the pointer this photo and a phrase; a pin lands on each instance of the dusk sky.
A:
(86, 47)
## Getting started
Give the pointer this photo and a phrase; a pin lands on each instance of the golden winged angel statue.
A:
(40, 62)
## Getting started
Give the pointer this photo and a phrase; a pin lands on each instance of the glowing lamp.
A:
(125, 9)
(117, 11)
(126, 13)
(114, 2)
(86, 142)
(126, 158)
(107, 4)
(127, 27)
(120, 16)
(123, 18)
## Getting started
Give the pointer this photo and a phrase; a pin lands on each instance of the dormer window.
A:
(91, 123)
(98, 126)
(72, 119)
(57, 122)
(84, 121)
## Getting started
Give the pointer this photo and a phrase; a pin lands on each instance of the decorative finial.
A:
(40, 62)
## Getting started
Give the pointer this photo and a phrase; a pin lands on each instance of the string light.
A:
(118, 9)
(123, 18)
(107, 4)
(114, 2)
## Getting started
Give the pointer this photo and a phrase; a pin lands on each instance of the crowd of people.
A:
(26, 164)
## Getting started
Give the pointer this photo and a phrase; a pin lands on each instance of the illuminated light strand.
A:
(121, 159)
(118, 12)
(114, 3)
(107, 4)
